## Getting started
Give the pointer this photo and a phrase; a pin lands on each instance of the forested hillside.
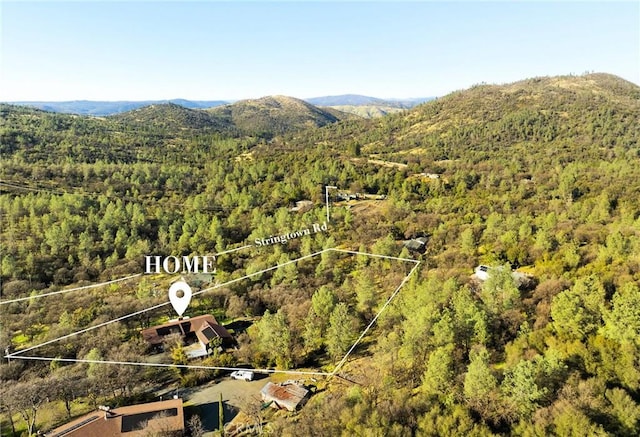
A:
(101, 108)
(171, 118)
(268, 116)
(541, 175)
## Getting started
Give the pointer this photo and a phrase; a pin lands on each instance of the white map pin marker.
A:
(180, 296)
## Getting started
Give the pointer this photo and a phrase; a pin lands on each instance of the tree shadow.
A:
(209, 414)
(239, 326)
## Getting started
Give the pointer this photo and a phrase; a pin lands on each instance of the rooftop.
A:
(205, 327)
(288, 396)
(131, 421)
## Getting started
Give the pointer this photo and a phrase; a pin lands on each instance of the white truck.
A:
(245, 375)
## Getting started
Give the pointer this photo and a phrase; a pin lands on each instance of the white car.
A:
(244, 375)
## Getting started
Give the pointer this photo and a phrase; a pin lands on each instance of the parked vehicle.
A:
(245, 375)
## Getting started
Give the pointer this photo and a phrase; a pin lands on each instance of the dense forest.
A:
(540, 176)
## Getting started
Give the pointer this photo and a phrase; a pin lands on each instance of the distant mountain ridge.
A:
(102, 108)
(365, 106)
(359, 100)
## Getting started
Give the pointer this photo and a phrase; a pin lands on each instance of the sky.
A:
(213, 50)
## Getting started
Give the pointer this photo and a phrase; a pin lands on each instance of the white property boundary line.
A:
(17, 355)
(386, 304)
(5, 302)
(180, 366)
(100, 325)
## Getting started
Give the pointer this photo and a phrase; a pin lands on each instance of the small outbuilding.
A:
(482, 272)
(287, 395)
(302, 206)
(522, 280)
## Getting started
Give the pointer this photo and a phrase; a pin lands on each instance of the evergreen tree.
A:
(342, 331)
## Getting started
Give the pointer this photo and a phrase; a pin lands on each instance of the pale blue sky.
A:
(204, 50)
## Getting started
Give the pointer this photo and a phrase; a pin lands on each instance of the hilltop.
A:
(591, 111)
(275, 115)
(264, 117)
(151, 133)
(181, 133)
(172, 117)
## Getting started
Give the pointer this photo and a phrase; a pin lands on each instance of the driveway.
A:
(204, 400)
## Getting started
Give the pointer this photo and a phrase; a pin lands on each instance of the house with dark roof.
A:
(416, 244)
(155, 418)
(200, 333)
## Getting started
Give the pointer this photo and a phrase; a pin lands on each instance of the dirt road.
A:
(204, 400)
